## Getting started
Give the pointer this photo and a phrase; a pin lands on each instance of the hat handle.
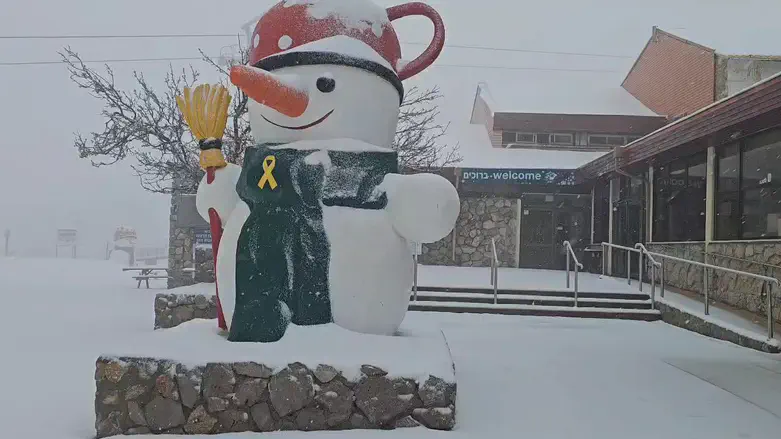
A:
(437, 43)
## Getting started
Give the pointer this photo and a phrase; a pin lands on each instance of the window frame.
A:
(607, 138)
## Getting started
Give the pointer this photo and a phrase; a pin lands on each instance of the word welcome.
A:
(518, 176)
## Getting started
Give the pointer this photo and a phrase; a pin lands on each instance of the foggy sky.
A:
(45, 186)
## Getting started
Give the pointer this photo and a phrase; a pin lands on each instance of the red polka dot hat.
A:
(355, 33)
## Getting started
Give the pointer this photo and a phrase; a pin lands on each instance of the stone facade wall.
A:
(145, 395)
(204, 265)
(480, 220)
(181, 247)
(180, 256)
(174, 309)
(438, 253)
(682, 319)
(758, 257)
(677, 274)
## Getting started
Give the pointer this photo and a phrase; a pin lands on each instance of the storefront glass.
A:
(679, 200)
(748, 193)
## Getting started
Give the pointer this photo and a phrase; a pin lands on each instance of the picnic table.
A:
(147, 273)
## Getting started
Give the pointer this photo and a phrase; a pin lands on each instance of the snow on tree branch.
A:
(144, 124)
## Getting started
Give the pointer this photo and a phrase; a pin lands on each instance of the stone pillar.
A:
(180, 249)
(480, 220)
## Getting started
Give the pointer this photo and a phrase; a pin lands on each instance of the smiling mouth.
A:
(302, 127)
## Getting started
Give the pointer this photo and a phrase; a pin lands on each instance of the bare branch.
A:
(145, 125)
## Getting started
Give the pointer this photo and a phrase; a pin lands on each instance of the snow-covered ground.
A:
(517, 376)
(513, 278)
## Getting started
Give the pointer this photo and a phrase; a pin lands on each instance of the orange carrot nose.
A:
(270, 90)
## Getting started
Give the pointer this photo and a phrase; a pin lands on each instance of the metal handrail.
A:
(770, 280)
(571, 254)
(629, 251)
(654, 266)
(495, 270)
(415, 277)
(722, 255)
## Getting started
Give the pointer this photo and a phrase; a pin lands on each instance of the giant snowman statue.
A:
(317, 223)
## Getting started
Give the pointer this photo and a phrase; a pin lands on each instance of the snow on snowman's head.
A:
(323, 69)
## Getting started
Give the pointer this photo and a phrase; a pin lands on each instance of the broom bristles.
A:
(205, 110)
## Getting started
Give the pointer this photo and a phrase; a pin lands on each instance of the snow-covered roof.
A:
(563, 93)
(476, 151)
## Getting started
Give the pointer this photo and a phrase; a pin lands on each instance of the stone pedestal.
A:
(146, 395)
(189, 379)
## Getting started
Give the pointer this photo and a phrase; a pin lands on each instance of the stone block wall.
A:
(174, 309)
(204, 265)
(758, 257)
(438, 253)
(146, 395)
(181, 245)
(678, 274)
(480, 220)
(180, 256)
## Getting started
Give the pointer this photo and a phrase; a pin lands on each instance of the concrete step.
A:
(552, 293)
(536, 310)
(524, 299)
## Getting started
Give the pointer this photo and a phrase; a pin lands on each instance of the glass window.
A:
(543, 139)
(675, 203)
(729, 168)
(760, 186)
(661, 190)
(525, 138)
(563, 139)
(695, 198)
(762, 160)
(761, 212)
(727, 216)
(679, 200)
(597, 140)
(508, 137)
(727, 196)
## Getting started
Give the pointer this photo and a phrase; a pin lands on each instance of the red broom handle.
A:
(215, 226)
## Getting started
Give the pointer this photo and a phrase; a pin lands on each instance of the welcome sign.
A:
(548, 177)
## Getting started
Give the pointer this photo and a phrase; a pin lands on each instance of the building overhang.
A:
(754, 109)
(592, 123)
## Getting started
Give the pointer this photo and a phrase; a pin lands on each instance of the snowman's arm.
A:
(423, 208)
(219, 195)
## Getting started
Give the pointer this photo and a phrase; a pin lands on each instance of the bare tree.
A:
(145, 124)
(419, 135)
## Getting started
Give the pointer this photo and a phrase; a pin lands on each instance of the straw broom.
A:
(206, 112)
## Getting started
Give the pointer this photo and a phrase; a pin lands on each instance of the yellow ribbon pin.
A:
(268, 166)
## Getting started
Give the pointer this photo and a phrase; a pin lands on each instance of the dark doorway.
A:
(547, 220)
(537, 242)
(628, 224)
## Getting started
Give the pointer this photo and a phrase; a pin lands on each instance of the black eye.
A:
(326, 85)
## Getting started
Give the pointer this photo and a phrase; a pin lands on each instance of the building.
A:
(706, 187)
(678, 157)
(517, 179)
(674, 76)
